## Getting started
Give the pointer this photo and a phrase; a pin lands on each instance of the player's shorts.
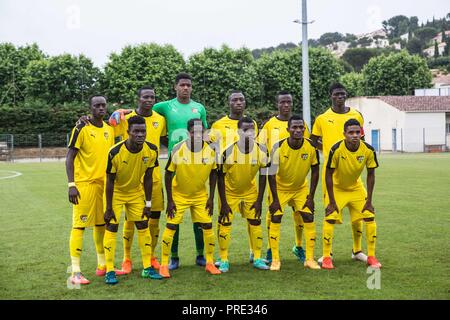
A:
(241, 204)
(131, 203)
(354, 200)
(157, 196)
(89, 210)
(295, 199)
(196, 204)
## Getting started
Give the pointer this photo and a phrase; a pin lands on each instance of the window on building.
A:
(448, 128)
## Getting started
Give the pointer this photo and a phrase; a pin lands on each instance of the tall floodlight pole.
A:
(305, 66)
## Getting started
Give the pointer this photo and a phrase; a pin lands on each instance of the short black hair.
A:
(182, 75)
(295, 117)
(233, 92)
(144, 88)
(243, 120)
(336, 85)
(192, 122)
(135, 120)
(351, 122)
(95, 96)
(282, 93)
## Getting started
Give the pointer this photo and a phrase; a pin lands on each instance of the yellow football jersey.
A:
(349, 165)
(191, 169)
(130, 167)
(225, 130)
(240, 169)
(274, 130)
(155, 125)
(93, 144)
(292, 166)
(330, 126)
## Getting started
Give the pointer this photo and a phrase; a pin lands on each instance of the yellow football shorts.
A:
(157, 196)
(89, 210)
(295, 199)
(354, 200)
(196, 204)
(241, 204)
(131, 203)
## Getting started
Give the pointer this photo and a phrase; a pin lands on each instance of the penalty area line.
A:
(14, 174)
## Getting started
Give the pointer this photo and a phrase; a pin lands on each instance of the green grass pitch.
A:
(412, 199)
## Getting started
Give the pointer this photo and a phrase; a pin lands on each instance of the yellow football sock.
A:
(371, 236)
(208, 240)
(299, 225)
(256, 236)
(274, 239)
(76, 247)
(268, 228)
(145, 244)
(99, 233)
(327, 242)
(153, 225)
(224, 234)
(109, 243)
(128, 234)
(166, 245)
(357, 228)
(310, 239)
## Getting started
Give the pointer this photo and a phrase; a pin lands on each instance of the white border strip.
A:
(14, 174)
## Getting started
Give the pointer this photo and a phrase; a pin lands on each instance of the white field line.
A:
(14, 174)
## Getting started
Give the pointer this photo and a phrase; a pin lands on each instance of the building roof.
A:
(441, 79)
(417, 103)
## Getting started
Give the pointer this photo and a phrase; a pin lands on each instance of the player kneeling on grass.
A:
(190, 165)
(128, 162)
(291, 160)
(85, 166)
(238, 193)
(346, 162)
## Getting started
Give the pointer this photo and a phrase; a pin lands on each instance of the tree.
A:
(13, 63)
(330, 37)
(353, 83)
(281, 70)
(436, 49)
(414, 46)
(61, 79)
(217, 71)
(413, 23)
(358, 57)
(396, 26)
(136, 66)
(396, 74)
(425, 34)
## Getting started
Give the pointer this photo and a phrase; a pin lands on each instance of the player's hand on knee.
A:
(309, 204)
(171, 209)
(369, 207)
(210, 206)
(332, 206)
(74, 195)
(225, 211)
(147, 212)
(274, 207)
(258, 208)
(109, 216)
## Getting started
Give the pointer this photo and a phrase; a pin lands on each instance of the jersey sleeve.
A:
(262, 136)
(372, 161)
(77, 137)
(333, 159)
(164, 127)
(315, 160)
(317, 128)
(203, 116)
(120, 129)
(170, 166)
(160, 107)
(112, 163)
(307, 133)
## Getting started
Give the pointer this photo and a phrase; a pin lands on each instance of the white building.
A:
(405, 123)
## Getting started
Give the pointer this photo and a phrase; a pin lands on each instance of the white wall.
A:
(414, 136)
(379, 115)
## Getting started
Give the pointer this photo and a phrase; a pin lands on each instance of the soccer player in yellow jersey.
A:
(190, 165)
(238, 192)
(156, 129)
(85, 167)
(291, 160)
(327, 130)
(130, 162)
(272, 131)
(346, 161)
(225, 130)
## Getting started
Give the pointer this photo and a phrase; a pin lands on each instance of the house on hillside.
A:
(405, 123)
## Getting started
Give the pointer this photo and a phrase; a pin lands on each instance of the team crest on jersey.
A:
(254, 162)
(194, 110)
(145, 159)
(205, 160)
(155, 124)
(106, 135)
(83, 218)
(360, 159)
(304, 156)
